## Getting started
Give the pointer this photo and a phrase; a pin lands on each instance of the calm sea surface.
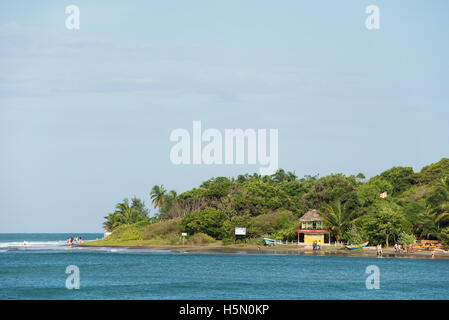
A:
(37, 271)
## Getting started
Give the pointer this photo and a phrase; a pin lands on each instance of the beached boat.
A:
(357, 246)
(271, 242)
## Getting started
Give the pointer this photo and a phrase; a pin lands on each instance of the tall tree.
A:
(385, 223)
(139, 205)
(157, 196)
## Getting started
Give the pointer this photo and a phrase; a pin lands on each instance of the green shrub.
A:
(271, 222)
(175, 239)
(129, 232)
(354, 235)
(227, 241)
(406, 239)
(162, 230)
(256, 241)
(200, 239)
(208, 221)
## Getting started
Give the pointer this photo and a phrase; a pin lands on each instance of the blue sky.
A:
(85, 116)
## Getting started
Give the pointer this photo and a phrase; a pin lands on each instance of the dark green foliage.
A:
(338, 217)
(169, 202)
(273, 222)
(331, 188)
(413, 212)
(434, 171)
(399, 177)
(217, 187)
(126, 214)
(355, 235)
(384, 224)
(208, 221)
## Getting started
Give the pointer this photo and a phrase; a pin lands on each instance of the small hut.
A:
(313, 227)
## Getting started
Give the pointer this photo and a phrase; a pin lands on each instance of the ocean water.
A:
(37, 271)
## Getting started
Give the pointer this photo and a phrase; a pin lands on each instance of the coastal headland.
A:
(399, 209)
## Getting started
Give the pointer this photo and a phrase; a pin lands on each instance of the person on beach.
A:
(411, 248)
(395, 248)
(407, 249)
(319, 245)
(433, 253)
(379, 250)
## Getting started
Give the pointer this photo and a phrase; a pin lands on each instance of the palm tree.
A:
(157, 196)
(437, 212)
(111, 222)
(126, 214)
(338, 218)
(172, 194)
(430, 222)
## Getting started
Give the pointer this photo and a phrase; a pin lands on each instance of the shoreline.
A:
(369, 252)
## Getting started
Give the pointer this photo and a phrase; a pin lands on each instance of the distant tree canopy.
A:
(433, 171)
(417, 204)
(400, 178)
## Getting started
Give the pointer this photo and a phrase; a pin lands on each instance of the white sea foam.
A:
(32, 244)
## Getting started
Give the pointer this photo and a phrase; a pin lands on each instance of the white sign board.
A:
(184, 234)
(240, 231)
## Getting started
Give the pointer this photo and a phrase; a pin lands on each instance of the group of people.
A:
(401, 249)
(74, 240)
(317, 245)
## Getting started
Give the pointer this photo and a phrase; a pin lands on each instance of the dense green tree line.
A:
(417, 205)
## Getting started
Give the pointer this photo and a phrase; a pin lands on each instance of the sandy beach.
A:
(280, 249)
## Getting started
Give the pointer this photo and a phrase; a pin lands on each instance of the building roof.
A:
(311, 215)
